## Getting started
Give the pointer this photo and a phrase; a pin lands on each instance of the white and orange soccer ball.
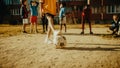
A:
(59, 40)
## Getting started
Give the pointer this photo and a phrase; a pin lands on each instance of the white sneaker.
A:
(56, 32)
(48, 41)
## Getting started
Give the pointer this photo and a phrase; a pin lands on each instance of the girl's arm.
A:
(37, 4)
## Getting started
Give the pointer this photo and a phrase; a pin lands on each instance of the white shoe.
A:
(48, 41)
(56, 32)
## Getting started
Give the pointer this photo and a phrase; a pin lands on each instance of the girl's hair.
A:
(23, 1)
(64, 4)
(88, 6)
(32, 2)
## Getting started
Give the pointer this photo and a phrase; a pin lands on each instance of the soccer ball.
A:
(59, 40)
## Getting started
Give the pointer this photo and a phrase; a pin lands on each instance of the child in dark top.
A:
(44, 22)
(115, 25)
(24, 15)
(86, 17)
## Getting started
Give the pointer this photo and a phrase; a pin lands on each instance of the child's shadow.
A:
(115, 47)
(95, 34)
(93, 49)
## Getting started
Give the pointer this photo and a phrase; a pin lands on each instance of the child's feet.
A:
(43, 31)
(91, 32)
(55, 33)
(65, 30)
(48, 41)
(82, 32)
(114, 32)
(24, 32)
(36, 31)
(31, 31)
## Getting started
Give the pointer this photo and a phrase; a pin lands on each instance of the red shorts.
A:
(33, 19)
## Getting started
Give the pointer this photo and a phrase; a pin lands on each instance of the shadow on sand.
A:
(107, 48)
(97, 48)
(85, 34)
(95, 44)
(95, 34)
(93, 49)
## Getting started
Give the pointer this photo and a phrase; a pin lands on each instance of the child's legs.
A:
(49, 32)
(65, 27)
(46, 26)
(61, 23)
(25, 22)
(111, 28)
(119, 30)
(60, 26)
(31, 24)
(43, 24)
(46, 23)
(47, 40)
(88, 20)
(83, 25)
(116, 28)
(64, 23)
(51, 24)
(31, 27)
(43, 27)
(24, 26)
(75, 21)
(34, 23)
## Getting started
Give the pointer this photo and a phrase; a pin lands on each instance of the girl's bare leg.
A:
(31, 28)
(50, 29)
(35, 25)
(49, 33)
(24, 26)
(47, 40)
(65, 27)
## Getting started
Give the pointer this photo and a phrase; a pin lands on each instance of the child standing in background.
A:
(24, 14)
(34, 14)
(62, 17)
(44, 22)
(86, 17)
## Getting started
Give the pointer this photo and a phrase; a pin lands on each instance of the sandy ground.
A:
(18, 50)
